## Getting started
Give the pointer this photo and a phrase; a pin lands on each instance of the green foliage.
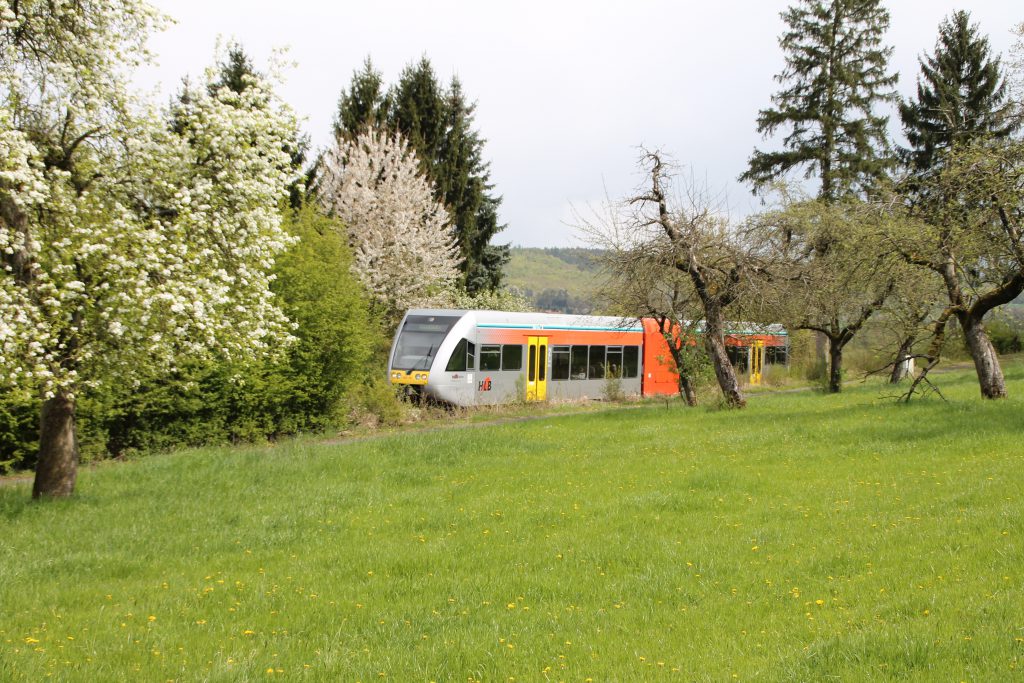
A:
(307, 386)
(378, 403)
(961, 95)
(236, 72)
(836, 72)
(319, 293)
(804, 538)
(1005, 334)
(19, 432)
(301, 388)
(438, 122)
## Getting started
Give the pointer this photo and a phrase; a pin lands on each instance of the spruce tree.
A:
(236, 72)
(438, 122)
(363, 104)
(961, 95)
(464, 183)
(417, 109)
(836, 72)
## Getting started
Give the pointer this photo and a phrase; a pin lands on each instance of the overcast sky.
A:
(565, 91)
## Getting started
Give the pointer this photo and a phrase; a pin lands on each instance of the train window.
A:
(512, 357)
(578, 363)
(596, 367)
(470, 359)
(614, 361)
(559, 363)
(738, 357)
(631, 361)
(420, 338)
(457, 363)
(490, 357)
(775, 354)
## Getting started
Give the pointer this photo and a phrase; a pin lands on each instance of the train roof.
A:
(539, 321)
(543, 321)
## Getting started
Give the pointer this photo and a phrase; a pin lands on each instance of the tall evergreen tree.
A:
(236, 72)
(363, 104)
(836, 72)
(438, 122)
(961, 95)
(463, 179)
(417, 108)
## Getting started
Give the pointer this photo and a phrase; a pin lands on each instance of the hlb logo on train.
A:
(484, 384)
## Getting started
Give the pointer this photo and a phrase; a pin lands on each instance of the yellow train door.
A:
(537, 369)
(756, 361)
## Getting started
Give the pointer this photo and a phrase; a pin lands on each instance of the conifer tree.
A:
(961, 95)
(836, 72)
(236, 72)
(363, 105)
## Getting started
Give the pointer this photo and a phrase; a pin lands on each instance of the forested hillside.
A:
(557, 279)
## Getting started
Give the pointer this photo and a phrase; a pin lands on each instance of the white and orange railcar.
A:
(471, 358)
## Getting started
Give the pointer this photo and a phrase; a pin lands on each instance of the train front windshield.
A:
(419, 340)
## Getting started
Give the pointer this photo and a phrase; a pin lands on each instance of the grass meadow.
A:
(805, 538)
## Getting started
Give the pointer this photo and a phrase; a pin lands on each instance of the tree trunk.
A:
(986, 362)
(686, 390)
(835, 367)
(901, 368)
(714, 341)
(57, 468)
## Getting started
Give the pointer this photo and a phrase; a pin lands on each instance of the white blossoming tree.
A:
(404, 245)
(124, 241)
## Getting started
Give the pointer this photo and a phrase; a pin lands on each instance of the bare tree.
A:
(658, 249)
(635, 287)
(829, 274)
(907, 321)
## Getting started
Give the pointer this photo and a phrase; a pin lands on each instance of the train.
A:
(473, 357)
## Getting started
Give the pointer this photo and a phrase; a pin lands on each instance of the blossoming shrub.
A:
(312, 384)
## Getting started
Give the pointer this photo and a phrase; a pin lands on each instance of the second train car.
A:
(486, 357)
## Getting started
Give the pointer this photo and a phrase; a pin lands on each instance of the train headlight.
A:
(421, 376)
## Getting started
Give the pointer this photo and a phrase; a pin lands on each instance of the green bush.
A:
(19, 432)
(1005, 335)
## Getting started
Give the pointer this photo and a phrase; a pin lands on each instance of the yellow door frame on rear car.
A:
(537, 369)
(756, 361)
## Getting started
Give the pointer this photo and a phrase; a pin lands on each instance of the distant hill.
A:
(562, 280)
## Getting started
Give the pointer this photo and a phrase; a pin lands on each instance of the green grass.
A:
(806, 537)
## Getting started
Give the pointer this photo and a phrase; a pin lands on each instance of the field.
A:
(806, 537)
